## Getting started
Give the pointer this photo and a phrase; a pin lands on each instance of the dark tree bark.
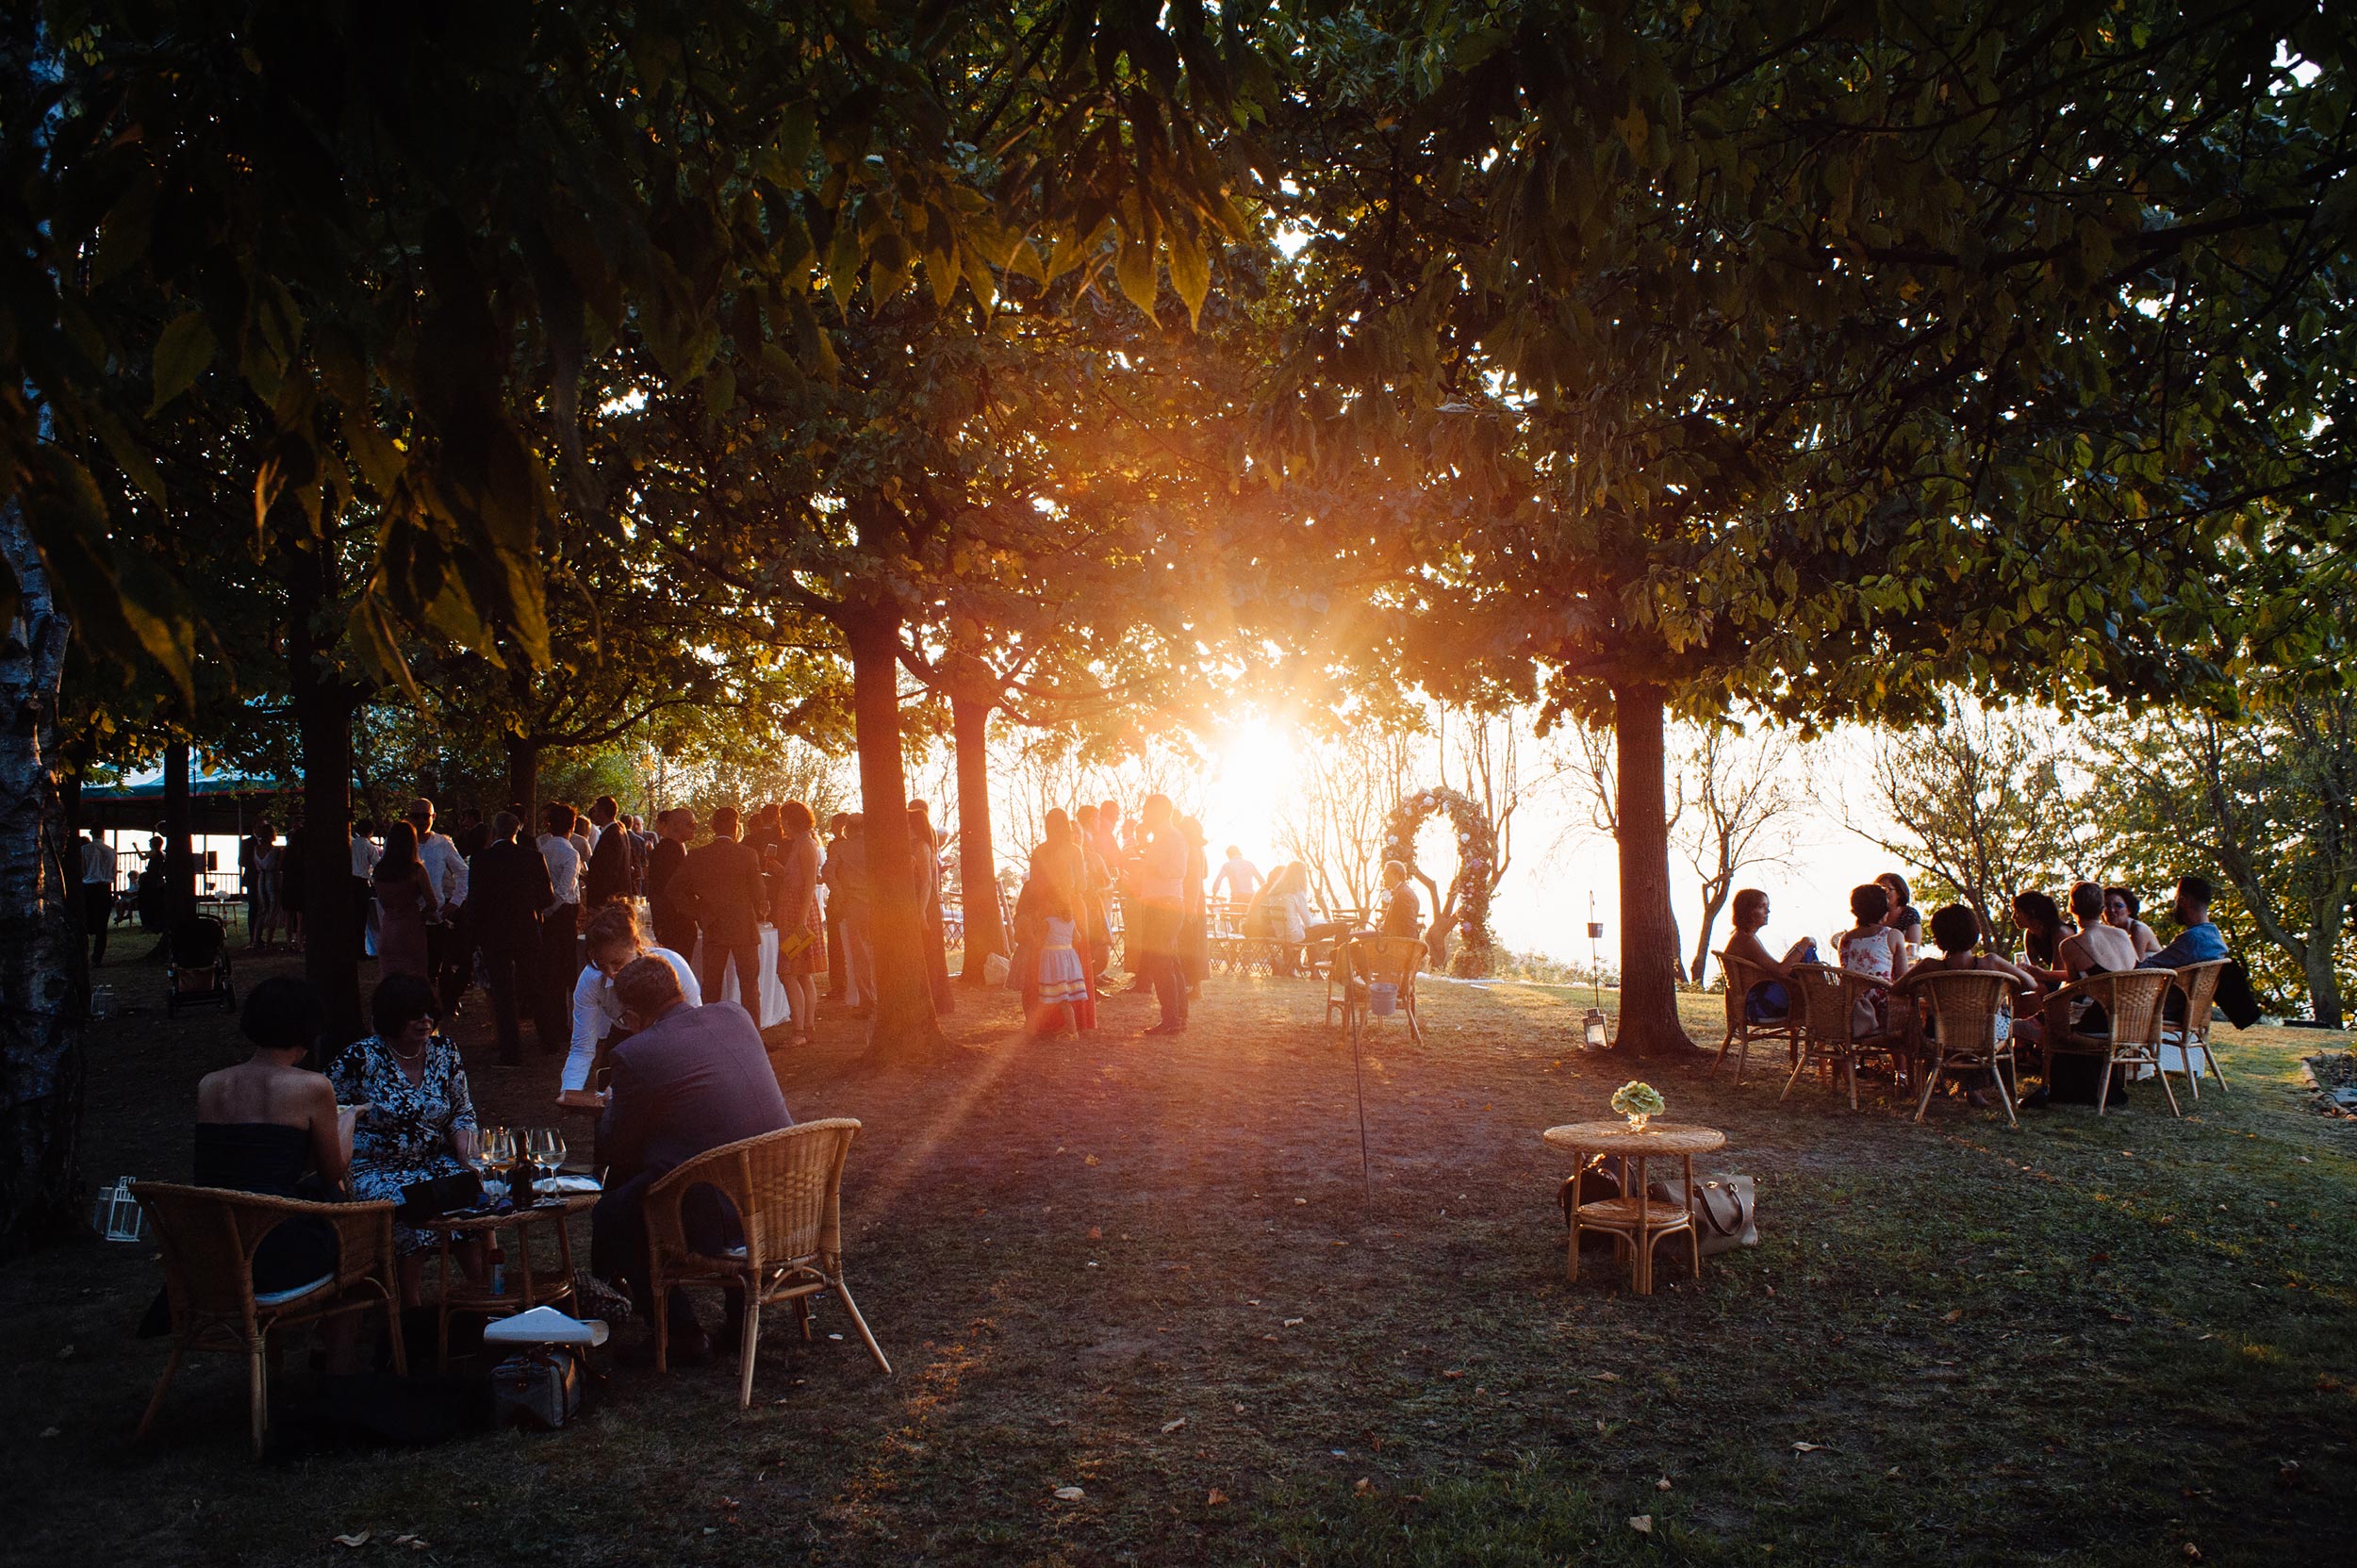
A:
(179, 835)
(905, 1023)
(324, 703)
(523, 774)
(43, 973)
(1649, 939)
(978, 868)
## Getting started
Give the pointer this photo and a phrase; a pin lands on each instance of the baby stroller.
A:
(198, 972)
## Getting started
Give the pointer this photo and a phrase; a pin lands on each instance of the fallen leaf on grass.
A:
(66, 1354)
(2193, 1553)
(1096, 1233)
(1216, 1498)
(1663, 1485)
(415, 1542)
(355, 1541)
(1452, 1374)
(1172, 1425)
(1362, 1487)
(1891, 1473)
(1090, 1161)
(1954, 1315)
(1608, 1376)
(1069, 1493)
(1807, 1447)
(1640, 1522)
(51, 1431)
(1290, 1323)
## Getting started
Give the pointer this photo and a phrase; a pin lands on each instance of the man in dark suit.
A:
(608, 876)
(674, 920)
(688, 1079)
(507, 887)
(723, 881)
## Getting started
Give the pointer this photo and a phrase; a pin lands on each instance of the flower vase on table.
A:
(1639, 1103)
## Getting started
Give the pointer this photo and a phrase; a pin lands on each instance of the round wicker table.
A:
(1634, 1222)
(525, 1289)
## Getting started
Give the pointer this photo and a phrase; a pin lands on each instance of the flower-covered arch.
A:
(1472, 950)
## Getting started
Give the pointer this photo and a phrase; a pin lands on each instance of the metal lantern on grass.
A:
(117, 1215)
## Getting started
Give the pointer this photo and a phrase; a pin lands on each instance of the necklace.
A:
(402, 1055)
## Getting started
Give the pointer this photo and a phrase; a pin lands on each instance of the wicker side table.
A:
(1634, 1222)
(525, 1288)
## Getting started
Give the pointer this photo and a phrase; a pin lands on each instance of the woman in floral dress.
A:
(416, 1120)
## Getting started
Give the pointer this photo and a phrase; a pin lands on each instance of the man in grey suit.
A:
(688, 1079)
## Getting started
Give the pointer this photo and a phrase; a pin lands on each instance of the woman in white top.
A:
(612, 941)
(1870, 948)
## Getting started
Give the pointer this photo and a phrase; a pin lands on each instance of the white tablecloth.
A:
(773, 1010)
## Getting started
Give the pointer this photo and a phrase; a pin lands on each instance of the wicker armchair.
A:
(2134, 999)
(2199, 981)
(1967, 1008)
(1371, 956)
(787, 1187)
(1825, 1000)
(1742, 977)
(209, 1236)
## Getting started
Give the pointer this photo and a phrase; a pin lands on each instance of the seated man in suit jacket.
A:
(688, 1079)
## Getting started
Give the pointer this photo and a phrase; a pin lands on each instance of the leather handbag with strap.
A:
(1725, 1211)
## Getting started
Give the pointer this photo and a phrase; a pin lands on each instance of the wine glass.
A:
(536, 1149)
(499, 1151)
(557, 1148)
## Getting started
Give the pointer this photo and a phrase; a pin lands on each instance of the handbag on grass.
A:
(1725, 1211)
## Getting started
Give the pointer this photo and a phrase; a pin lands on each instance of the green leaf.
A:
(181, 355)
(1135, 271)
(1190, 272)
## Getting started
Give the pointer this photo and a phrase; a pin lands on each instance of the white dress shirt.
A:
(1239, 877)
(446, 867)
(98, 861)
(564, 868)
(598, 1013)
(365, 854)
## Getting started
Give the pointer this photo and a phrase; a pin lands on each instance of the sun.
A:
(1256, 770)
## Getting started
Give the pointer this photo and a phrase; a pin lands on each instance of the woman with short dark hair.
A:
(260, 1123)
(417, 1122)
(2121, 908)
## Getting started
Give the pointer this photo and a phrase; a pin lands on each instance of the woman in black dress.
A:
(260, 1123)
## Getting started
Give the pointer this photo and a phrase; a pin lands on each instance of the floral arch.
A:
(1472, 950)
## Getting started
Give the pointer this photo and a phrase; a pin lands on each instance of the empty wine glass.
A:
(557, 1148)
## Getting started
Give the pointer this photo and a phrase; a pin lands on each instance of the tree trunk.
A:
(1649, 943)
(323, 703)
(179, 836)
(904, 1024)
(44, 978)
(978, 861)
(523, 775)
(1714, 900)
(2324, 982)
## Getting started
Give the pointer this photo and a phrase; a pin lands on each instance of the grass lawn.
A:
(1147, 1269)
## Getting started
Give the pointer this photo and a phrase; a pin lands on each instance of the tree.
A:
(1739, 802)
(2267, 808)
(1797, 359)
(1347, 787)
(1984, 806)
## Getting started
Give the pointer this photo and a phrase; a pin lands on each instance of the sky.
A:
(1559, 861)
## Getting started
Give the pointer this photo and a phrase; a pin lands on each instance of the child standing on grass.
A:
(1060, 983)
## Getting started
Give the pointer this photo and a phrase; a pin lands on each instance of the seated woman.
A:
(2094, 948)
(1768, 1001)
(1873, 949)
(2121, 909)
(260, 1123)
(418, 1121)
(612, 940)
(1957, 932)
(2042, 933)
(1903, 917)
